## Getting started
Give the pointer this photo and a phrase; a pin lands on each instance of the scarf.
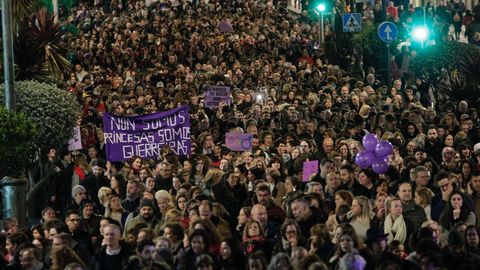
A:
(252, 242)
(80, 173)
(397, 230)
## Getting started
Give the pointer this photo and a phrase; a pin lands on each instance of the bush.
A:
(453, 69)
(53, 111)
(371, 47)
(17, 149)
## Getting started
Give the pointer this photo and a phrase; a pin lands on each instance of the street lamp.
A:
(420, 34)
(321, 7)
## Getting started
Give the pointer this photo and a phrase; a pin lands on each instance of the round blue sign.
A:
(387, 32)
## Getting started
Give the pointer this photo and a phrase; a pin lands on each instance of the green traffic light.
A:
(420, 33)
(321, 7)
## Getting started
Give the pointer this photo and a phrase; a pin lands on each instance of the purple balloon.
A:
(364, 159)
(380, 165)
(369, 142)
(383, 149)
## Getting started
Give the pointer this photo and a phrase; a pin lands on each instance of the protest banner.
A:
(309, 168)
(145, 135)
(238, 141)
(75, 143)
(216, 94)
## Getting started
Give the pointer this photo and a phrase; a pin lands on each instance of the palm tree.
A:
(37, 53)
(36, 37)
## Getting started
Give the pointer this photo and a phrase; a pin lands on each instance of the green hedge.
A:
(17, 149)
(53, 111)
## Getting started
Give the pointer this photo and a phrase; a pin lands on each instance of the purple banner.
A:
(309, 168)
(216, 94)
(238, 141)
(145, 135)
(75, 143)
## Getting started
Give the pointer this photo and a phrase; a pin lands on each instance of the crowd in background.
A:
(221, 209)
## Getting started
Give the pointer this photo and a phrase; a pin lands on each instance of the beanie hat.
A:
(77, 189)
(146, 202)
(455, 238)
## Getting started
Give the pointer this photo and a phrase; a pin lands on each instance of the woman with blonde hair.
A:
(394, 224)
(364, 111)
(115, 210)
(260, 164)
(361, 216)
(212, 177)
(164, 202)
(103, 194)
(423, 197)
(81, 169)
(172, 215)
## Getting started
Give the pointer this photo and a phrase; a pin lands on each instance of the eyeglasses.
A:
(291, 232)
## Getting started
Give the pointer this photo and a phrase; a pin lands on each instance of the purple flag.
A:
(75, 143)
(239, 141)
(309, 168)
(145, 135)
(216, 94)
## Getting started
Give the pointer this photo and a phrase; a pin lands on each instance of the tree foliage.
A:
(370, 46)
(453, 67)
(16, 147)
(37, 53)
(54, 111)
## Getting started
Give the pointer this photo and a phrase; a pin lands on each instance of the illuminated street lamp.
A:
(321, 7)
(420, 34)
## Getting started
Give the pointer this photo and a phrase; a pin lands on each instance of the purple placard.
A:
(309, 168)
(216, 94)
(145, 135)
(75, 143)
(238, 141)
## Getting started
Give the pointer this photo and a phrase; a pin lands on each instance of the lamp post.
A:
(321, 9)
(7, 43)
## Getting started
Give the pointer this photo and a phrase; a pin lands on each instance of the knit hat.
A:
(77, 189)
(146, 202)
(455, 238)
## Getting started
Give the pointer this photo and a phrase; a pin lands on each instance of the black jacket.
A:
(317, 217)
(99, 260)
(93, 183)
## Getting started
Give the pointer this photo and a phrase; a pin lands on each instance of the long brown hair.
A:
(62, 256)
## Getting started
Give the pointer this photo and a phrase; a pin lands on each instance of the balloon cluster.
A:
(375, 154)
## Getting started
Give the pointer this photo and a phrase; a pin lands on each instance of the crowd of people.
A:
(221, 209)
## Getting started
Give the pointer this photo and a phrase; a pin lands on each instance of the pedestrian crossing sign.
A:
(352, 22)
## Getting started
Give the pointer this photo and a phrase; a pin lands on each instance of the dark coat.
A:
(316, 217)
(99, 260)
(92, 184)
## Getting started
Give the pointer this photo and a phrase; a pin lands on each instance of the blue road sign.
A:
(387, 32)
(352, 22)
